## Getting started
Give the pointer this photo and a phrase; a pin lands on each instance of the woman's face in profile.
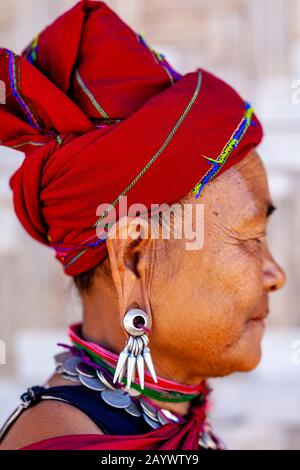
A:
(210, 313)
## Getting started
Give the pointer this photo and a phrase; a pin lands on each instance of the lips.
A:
(261, 316)
(261, 309)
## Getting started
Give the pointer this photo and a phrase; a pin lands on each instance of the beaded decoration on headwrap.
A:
(227, 150)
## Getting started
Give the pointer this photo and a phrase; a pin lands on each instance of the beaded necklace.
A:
(89, 364)
(104, 361)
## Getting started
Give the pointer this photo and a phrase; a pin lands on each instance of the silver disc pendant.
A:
(93, 383)
(72, 378)
(151, 422)
(84, 369)
(116, 398)
(162, 418)
(168, 415)
(70, 364)
(61, 357)
(149, 410)
(104, 380)
(59, 369)
(133, 410)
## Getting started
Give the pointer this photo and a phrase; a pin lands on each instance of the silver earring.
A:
(136, 351)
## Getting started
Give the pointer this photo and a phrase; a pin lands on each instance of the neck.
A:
(163, 369)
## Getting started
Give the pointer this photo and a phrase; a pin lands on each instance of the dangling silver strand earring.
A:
(136, 350)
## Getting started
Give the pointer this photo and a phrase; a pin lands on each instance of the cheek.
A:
(236, 277)
(221, 302)
(234, 343)
(197, 308)
(205, 306)
(250, 284)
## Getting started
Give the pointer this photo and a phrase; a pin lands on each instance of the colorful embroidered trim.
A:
(90, 95)
(31, 51)
(149, 164)
(161, 60)
(59, 139)
(229, 147)
(14, 74)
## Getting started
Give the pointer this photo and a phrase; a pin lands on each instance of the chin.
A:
(249, 351)
(237, 363)
(242, 364)
(249, 358)
(250, 363)
(244, 358)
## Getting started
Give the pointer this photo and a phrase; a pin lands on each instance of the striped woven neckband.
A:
(100, 358)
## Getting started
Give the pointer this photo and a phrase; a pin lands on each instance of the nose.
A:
(274, 275)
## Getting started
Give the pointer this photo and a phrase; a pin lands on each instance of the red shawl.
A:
(172, 436)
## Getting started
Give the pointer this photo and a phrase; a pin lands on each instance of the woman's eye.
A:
(260, 239)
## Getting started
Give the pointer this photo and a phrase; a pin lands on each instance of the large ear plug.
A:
(136, 351)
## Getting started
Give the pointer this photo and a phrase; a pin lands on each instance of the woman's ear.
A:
(126, 242)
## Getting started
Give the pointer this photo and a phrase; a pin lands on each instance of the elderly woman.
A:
(105, 120)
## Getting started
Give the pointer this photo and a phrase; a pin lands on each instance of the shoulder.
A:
(47, 419)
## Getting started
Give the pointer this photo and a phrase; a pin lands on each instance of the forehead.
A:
(241, 192)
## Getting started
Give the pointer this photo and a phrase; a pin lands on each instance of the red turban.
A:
(101, 115)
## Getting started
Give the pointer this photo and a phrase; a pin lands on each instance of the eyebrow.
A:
(270, 209)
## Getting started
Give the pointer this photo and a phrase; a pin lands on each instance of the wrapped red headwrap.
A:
(99, 115)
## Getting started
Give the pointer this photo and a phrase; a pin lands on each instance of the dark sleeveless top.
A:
(112, 421)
